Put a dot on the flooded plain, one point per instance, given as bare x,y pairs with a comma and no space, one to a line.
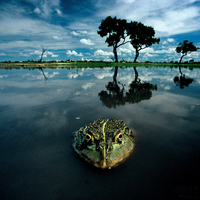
41,109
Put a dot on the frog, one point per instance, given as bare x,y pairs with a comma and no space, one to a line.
105,143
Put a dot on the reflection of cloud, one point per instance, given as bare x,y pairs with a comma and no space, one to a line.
70,76
103,75
32,93
88,85
172,104
57,119
54,74
75,74
167,87
160,110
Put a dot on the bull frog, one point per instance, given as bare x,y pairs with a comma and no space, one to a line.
105,143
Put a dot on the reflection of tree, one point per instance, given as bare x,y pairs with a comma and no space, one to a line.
182,81
116,95
45,78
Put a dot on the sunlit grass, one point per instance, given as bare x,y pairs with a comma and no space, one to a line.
95,64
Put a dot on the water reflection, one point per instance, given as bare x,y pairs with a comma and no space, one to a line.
38,118
45,77
181,80
117,95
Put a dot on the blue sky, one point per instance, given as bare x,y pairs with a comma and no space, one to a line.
68,29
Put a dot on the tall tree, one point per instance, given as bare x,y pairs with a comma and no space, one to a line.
141,36
42,54
184,48
116,32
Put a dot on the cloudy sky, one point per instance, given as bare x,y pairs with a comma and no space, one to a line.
68,28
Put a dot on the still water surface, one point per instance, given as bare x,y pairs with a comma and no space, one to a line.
40,111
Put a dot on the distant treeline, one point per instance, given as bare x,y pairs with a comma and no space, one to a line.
97,61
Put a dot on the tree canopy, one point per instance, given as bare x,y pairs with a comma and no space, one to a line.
115,30
184,48
141,37
120,32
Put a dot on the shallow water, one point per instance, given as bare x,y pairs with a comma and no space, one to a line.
39,114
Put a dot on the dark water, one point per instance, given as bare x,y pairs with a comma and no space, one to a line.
38,116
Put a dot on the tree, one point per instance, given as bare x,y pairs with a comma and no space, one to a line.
120,32
141,36
43,51
184,48
116,32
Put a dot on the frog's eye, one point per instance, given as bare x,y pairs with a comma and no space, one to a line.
88,137
119,137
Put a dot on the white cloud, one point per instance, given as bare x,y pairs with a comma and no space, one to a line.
36,52
37,31
148,55
26,26
73,53
46,7
54,56
167,17
29,33
83,32
195,54
125,50
37,10
56,37
59,12
100,52
39,52
87,41
51,54
171,40
148,50
78,33
75,33
125,1
49,6
2,54
173,22
170,50
24,54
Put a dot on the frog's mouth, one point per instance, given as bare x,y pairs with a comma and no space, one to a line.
112,155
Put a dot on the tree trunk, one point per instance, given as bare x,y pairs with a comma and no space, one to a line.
136,54
180,70
42,56
115,76
136,74
115,53
182,58
43,51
